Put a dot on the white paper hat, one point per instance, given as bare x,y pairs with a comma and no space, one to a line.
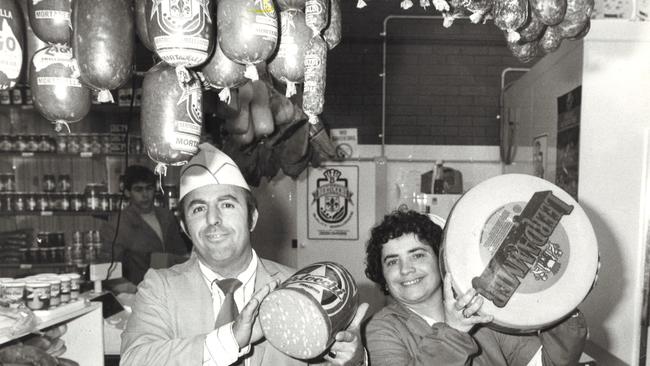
210,166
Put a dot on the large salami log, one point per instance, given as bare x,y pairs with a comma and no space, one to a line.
302,316
532,30
141,22
526,246
12,43
171,115
315,74
32,42
57,91
549,12
220,72
103,43
291,4
247,31
182,31
288,63
51,20
510,15
576,19
525,52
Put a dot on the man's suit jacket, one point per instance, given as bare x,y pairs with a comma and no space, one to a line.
173,314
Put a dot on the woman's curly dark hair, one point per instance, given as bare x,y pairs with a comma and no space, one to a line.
393,226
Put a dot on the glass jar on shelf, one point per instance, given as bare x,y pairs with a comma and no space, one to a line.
20,143
19,202
30,202
45,144
106,143
6,143
76,202
95,144
64,183
43,202
74,146
84,143
32,143
61,143
92,195
49,184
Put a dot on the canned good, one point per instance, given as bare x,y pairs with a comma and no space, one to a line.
20,143
64,183
16,96
13,292
5,143
61,143
65,289
19,202
92,194
32,143
5,97
37,295
28,96
74,146
75,286
55,290
46,144
76,202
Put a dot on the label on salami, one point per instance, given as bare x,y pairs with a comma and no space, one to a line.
53,14
56,55
266,21
188,133
185,143
11,54
525,247
58,81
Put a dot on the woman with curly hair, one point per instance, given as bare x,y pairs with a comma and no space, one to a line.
423,324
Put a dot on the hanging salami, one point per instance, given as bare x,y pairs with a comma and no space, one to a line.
222,73
288,63
525,52
317,15
551,40
171,115
181,31
510,15
260,110
247,31
315,72
12,43
576,19
103,43
333,31
141,23
291,4
51,20
32,42
57,91
239,124
550,12
532,30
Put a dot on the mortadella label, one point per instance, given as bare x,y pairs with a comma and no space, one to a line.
526,245
53,55
11,54
183,37
188,132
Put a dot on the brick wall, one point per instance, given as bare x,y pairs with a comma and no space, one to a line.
442,84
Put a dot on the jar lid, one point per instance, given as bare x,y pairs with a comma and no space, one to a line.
73,276
64,278
14,283
36,283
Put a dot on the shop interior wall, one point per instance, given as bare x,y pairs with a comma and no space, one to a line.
442,84
611,65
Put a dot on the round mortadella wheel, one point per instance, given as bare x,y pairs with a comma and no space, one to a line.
302,316
526,246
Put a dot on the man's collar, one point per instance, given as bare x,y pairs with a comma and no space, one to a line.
244,276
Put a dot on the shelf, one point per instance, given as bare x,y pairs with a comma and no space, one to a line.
103,214
106,107
45,319
35,265
85,155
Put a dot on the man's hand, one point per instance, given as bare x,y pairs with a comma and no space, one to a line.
246,328
348,349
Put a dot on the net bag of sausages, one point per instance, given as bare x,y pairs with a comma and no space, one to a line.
302,316
526,246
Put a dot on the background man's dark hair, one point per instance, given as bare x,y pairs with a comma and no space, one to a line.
138,174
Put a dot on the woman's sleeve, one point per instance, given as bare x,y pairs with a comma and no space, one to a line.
442,346
563,344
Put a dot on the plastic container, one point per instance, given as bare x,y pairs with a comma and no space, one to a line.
13,292
65,289
37,295
75,286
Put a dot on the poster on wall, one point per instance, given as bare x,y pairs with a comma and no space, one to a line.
568,141
540,154
332,202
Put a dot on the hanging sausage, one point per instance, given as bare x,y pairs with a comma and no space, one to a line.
171,115
315,60
288,63
222,73
332,34
51,20
247,31
12,43
32,42
181,31
141,23
103,43
57,91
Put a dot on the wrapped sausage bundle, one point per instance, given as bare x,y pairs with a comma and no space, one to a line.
11,31
302,316
51,20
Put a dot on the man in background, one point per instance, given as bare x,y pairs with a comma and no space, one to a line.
142,230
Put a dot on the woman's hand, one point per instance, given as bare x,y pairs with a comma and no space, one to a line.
462,313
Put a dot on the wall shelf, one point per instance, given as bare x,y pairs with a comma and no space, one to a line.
97,214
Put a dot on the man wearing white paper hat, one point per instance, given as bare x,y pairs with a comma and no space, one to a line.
181,314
